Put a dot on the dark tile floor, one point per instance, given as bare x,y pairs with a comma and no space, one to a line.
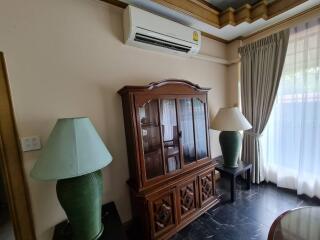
248,218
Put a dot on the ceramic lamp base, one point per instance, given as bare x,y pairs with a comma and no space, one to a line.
81,199
230,142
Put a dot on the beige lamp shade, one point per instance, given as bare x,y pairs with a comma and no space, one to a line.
230,119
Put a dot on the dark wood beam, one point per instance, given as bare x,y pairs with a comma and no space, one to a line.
116,3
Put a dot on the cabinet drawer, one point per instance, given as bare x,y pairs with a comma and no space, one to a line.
187,198
206,187
162,210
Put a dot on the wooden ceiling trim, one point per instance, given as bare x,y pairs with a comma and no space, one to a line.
209,5
277,7
286,23
195,9
116,3
214,37
243,14
247,13
259,10
227,17
205,5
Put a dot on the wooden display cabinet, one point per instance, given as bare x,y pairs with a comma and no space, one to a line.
172,177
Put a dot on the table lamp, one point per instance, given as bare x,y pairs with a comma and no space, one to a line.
74,156
230,121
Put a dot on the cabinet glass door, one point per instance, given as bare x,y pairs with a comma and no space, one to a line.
200,128
170,134
151,140
187,131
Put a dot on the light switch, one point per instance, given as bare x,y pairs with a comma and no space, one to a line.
30,143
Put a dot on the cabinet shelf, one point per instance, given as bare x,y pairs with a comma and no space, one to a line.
145,125
152,151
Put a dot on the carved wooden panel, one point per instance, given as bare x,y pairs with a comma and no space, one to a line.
163,216
187,195
187,198
206,186
163,213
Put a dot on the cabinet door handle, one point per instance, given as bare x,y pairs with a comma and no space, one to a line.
180,134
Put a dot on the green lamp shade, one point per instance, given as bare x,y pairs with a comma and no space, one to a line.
73,149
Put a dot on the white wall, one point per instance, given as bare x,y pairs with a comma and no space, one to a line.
66,58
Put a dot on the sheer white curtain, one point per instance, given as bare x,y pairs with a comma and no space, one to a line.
291,140
186,125
200,128
168,118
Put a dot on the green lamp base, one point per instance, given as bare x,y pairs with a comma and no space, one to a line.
230,142
100,233
81,199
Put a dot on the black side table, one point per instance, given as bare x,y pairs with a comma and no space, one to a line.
232,173
113,228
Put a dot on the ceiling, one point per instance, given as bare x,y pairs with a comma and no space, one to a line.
224,4
213,17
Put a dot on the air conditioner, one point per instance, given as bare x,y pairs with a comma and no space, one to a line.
146,30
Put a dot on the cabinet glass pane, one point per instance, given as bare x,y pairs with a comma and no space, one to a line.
187,133
170,136
150,130
200,128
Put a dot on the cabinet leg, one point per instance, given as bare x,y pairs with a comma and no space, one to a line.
233,189
248,178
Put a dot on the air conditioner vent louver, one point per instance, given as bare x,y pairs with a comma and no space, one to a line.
161,43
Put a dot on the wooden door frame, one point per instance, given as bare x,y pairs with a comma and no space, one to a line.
11,164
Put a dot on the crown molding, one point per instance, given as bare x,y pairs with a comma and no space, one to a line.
246,13
195,9
287,23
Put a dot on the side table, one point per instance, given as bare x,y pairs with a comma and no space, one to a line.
232,173
113,228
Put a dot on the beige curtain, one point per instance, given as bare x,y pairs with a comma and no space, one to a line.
261,68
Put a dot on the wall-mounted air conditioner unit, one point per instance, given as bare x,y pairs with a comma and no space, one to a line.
146,30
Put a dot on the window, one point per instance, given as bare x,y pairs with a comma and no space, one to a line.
291,140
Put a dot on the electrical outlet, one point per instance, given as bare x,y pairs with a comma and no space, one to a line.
30,143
